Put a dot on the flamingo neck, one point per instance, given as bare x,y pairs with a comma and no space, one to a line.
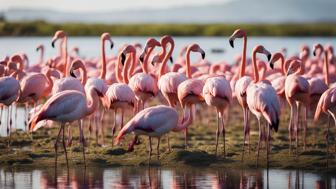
145,63
166,58
103,60
326,68
84,72
66,62
183,125
188,64
132,66
243,60
50,81
92,99
255,67
128,61
282,61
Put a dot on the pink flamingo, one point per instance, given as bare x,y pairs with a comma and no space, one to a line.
143,84
189,92
9,93
100,83
66,107
262,100
297,92
154,122
242,83
217,92
120,95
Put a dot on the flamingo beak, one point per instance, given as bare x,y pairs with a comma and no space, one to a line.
269,56
123,58
141,58
314,52
171,59
272,65
53,44
231,43
100,94
112,44
72,73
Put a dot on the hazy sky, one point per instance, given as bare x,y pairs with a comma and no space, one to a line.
99,5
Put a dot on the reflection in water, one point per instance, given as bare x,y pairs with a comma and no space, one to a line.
155,177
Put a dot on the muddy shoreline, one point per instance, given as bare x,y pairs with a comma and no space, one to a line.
37,151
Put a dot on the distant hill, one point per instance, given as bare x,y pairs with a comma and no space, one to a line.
239,11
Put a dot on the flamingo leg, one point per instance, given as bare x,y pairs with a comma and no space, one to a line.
305,127
169,147
82,139
8,129
55,145
131,145
290,129
102,125
268,144
158,148
223,133
297,130
248,129
64,145
114,123
122,118
150,147
245,130
259,141
217,131
69,142
327,140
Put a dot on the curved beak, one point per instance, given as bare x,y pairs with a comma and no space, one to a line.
269,56
53,44
72,73
99,93
231,43
112,44
272,65
171,59
314,52
141,57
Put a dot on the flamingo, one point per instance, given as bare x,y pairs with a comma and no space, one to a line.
154,122
9,93
262,100
242,83
100,83
297,92
189,92
217,92
66,107
143,84
120,95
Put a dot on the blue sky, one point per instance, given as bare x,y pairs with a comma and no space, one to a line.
99,5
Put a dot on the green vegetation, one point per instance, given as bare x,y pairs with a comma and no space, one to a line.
41,28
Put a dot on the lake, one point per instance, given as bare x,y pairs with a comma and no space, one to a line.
155,177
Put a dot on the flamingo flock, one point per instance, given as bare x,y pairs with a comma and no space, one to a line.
157,99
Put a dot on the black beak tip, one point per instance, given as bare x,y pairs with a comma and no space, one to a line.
203,56
269,57
53,44
272,65
314,53
112,45
72,74
231,43
37,49
141,58
171,59
123,57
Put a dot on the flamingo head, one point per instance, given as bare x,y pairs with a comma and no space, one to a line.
261,49
239,33
317,49
106,36
76,64
294,65
196,48
39,47
127,49
275,57
58,35
167,39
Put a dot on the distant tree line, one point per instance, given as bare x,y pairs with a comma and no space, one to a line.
41,28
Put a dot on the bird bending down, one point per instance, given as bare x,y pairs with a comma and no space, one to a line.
155,122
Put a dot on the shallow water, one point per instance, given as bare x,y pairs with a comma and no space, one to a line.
155,177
